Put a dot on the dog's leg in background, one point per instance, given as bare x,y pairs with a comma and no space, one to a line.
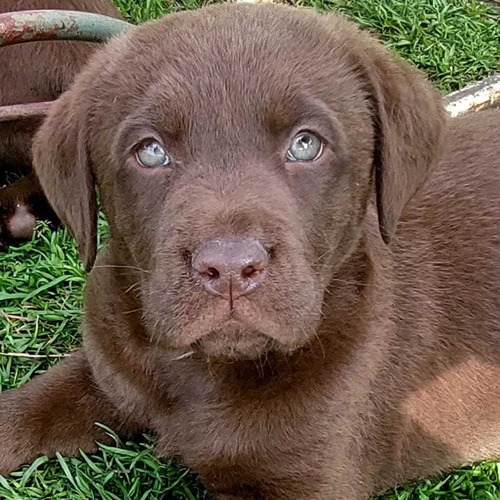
57,411
20,204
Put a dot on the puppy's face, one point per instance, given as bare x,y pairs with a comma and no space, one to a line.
233,150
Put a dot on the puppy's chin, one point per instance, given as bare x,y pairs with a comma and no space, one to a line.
234,341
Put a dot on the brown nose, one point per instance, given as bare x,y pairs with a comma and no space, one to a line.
230,267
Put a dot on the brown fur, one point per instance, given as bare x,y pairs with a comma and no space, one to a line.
33,72
369,355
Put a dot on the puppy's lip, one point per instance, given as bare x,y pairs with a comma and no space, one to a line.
233,343
231,327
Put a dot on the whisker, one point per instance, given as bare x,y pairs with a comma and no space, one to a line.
113,266
183,356
133,286
131,311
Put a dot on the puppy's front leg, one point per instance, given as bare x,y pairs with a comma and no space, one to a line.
55,412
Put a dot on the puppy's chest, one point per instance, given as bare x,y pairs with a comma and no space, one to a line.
235,441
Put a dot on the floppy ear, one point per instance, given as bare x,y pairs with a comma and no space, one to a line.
62,164
408,119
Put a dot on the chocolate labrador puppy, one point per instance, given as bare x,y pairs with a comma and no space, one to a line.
34,72
300,298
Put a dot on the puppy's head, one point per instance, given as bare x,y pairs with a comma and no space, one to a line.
237,150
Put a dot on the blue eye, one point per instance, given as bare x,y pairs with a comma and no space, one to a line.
305,146
151,154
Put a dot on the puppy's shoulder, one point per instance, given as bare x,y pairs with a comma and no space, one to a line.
472,150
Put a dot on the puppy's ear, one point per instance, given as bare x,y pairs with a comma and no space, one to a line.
62,164
408,119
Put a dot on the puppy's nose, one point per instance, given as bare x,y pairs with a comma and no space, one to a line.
230,267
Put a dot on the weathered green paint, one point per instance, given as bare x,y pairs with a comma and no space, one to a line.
36,25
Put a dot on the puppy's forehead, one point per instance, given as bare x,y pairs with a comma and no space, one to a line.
227,73
245,37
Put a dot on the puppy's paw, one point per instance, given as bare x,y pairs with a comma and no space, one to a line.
16,444
9,459
17,224
22,203
21,222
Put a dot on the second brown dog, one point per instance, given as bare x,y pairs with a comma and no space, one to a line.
33,72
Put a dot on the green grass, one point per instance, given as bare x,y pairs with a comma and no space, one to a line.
479,482
454,41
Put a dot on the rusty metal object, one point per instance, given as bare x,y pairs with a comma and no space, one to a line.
474,97
36,25
23,111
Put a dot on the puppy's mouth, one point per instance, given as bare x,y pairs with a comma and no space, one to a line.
249,330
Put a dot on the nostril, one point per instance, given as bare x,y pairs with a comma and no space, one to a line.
211,273
250,272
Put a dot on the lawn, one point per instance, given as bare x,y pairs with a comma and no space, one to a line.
454,41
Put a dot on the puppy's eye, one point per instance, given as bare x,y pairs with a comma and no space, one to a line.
305,146
151,154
